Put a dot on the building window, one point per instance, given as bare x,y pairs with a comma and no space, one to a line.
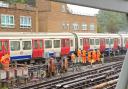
25,21
92,27
63,8
68,26
64,26
75,26
84,26
7,21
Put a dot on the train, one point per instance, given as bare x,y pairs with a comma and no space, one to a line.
23,46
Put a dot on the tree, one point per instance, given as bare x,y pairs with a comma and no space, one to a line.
15,1
111,22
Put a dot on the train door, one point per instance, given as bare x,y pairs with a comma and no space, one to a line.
86,45
65,46
4,47
38,49
35,48
102,44
26,48
97,43
116,43
41,48
92,44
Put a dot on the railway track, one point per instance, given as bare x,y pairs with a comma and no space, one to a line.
86,79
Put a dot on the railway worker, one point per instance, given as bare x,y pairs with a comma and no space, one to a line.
98,54
83,56
59,66
73,59
93,56
51,66
89,56
65,64
78,59
79,54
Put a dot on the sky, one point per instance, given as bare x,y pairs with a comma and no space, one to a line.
82,10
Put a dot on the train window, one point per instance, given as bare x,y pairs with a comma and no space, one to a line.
97,41
91,41
35,44
71,43
15,45
107,41
118,41
0,45
67,43
111,41
26,45
56,43
63,43
48,43
6,45
81,42
41,44
125,40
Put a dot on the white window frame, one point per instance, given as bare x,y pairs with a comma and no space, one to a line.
75,26
29,22
84,26
7,24
92,27
63,8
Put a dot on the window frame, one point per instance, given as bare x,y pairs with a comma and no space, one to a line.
7,24
1,45
25,46
92,26
27,23
54,43
71,43
107,41
97,43
81,42
15,43
51,44
92,41
84,26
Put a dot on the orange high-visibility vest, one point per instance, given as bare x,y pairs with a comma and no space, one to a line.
5,59
79,53
93,56
83,56
98,55
89,56
73,57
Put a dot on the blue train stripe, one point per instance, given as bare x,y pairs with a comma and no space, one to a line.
21,57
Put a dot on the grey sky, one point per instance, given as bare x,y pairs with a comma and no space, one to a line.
82,10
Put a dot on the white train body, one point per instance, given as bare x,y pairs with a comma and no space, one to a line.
23,46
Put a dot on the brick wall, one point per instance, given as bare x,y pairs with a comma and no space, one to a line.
17,12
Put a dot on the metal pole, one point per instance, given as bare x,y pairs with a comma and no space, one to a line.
123,78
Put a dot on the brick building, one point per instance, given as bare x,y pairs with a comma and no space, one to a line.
43,16
17,18
56,17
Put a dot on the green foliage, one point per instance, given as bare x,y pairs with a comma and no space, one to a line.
111,22
15,1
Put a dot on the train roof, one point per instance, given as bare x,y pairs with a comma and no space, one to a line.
17,35
96,35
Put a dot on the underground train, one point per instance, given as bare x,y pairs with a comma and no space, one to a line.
27,45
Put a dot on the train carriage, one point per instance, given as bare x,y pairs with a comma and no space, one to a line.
124,41
23,46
